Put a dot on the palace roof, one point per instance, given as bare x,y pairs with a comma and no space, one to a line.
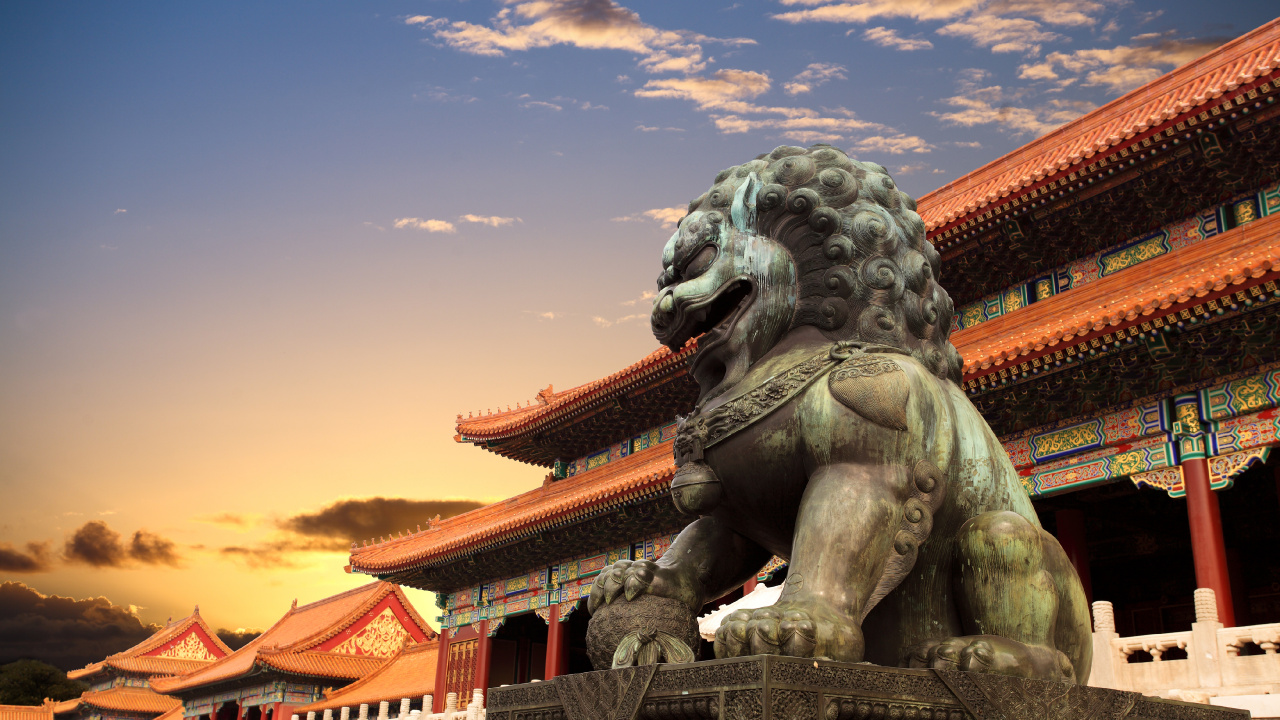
556,503
601,412
346,636
123,699
177,648
410,673
27,712
1182,91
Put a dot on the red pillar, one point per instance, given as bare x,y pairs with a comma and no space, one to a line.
1207,546
442,672
748,586
555,645
1072,539
484,649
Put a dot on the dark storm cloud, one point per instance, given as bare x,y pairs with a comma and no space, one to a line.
63,631
238,638
347,521
97,545
36,558
335,527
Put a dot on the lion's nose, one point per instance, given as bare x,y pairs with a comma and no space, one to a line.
664,309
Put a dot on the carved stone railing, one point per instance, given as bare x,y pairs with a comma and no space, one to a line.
1213,670
473,711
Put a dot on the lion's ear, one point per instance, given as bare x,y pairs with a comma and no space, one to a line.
875,387
743,211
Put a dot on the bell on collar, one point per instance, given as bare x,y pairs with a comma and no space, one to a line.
695,488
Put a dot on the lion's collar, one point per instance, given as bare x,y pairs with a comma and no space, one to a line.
700,430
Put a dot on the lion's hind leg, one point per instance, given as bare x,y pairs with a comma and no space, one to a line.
1012,596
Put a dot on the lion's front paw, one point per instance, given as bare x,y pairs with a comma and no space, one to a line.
991,654
794,629
631,578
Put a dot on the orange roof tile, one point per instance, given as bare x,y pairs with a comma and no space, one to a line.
1226,259
1186,89
138,700
143,658
291,645
553,406
411,673
27,712
647,470
174,714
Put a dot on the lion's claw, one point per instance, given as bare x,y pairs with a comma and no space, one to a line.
990,654
787,630
625,577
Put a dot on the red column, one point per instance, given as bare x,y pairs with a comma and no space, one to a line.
1072,539
748,586
1207,546
442,672
555,644
484,649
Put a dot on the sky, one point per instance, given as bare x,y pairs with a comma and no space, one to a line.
255,258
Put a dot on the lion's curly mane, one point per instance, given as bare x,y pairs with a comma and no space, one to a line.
866,271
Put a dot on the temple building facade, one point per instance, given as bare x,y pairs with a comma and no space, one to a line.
120,684
325,644
1119,319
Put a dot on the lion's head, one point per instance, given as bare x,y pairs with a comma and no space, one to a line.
801,238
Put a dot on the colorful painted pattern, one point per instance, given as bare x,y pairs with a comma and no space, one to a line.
1111,429
1245,432
1103,469
1188,231
1239,397
617,451
561,584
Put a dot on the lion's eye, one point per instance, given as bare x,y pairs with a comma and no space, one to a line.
700,262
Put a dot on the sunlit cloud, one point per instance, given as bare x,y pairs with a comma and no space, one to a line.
590,24
1123,67
120,211
435,226
654,128
239,522
1001,34
887,37
490,220
666,217
815,75
645,298
994,105
605,322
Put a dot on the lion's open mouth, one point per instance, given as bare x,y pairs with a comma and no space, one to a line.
713,317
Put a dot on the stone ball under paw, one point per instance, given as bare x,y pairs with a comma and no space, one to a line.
647,613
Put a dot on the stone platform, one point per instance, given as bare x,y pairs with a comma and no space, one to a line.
767,687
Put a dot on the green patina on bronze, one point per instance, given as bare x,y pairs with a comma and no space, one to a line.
830,431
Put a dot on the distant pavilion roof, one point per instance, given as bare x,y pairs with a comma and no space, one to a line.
306,641
1183,91
177,648
410,673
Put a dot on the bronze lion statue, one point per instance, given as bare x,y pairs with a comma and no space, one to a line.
830,430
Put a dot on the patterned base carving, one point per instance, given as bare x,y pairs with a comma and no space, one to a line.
605,694
781,688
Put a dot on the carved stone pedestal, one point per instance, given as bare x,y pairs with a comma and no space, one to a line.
767,687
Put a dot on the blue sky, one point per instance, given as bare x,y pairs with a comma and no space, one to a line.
254,257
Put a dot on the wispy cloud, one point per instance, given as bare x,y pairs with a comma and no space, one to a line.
605,322
435,226
645,298
591,24
815,75
995,105
666,217
1001,34
887,37
541,104
120,211
654,128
